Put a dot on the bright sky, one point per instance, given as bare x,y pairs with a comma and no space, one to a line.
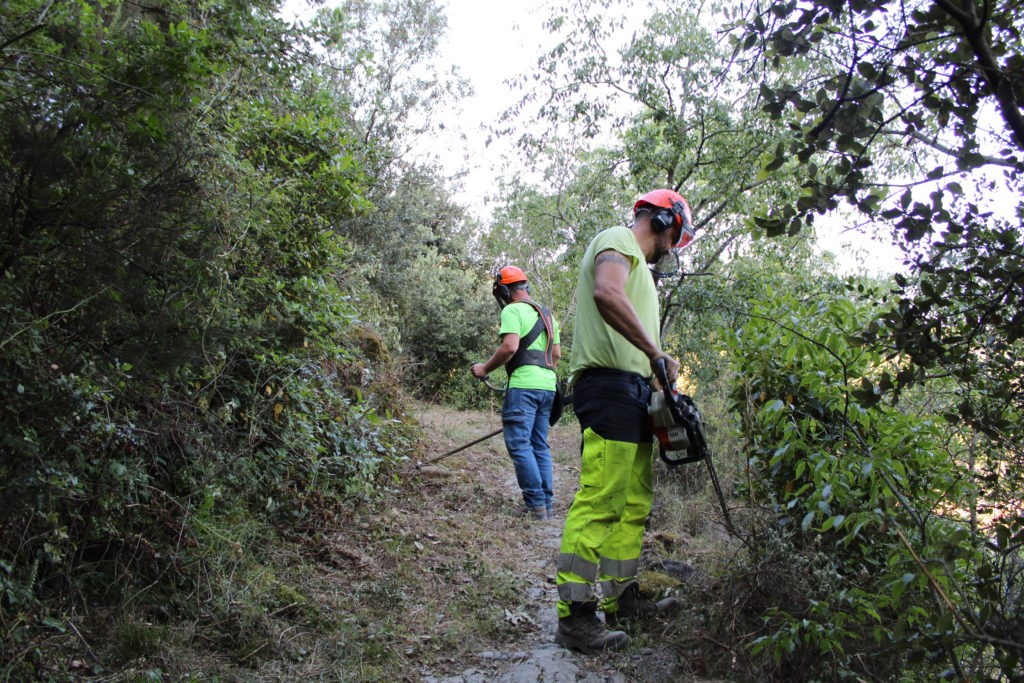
490,42
493,41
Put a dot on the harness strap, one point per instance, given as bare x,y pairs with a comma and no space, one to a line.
544,358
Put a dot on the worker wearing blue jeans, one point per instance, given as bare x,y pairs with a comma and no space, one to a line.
524,417
529,350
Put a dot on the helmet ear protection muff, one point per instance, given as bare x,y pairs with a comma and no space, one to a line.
663,219
503,293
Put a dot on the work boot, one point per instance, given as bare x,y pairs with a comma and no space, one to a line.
584,632
633,606
539,513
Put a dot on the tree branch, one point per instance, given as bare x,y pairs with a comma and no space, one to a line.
1001,87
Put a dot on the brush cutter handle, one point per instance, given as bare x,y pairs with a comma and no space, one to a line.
492,386
661,372
487,380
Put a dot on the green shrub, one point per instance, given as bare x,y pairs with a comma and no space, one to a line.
846,473
176,341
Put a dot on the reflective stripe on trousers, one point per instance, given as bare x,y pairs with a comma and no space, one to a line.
604,528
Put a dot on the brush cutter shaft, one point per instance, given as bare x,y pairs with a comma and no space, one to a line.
465,446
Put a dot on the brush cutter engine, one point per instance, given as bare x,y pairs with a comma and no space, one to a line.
680,430
677,423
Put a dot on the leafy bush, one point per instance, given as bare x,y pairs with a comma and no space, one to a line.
845,473
175,339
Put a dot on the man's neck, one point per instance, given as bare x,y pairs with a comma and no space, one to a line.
645,237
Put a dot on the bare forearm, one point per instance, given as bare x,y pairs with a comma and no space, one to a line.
610,272
501,356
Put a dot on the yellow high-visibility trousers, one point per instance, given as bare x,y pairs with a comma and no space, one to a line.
604,528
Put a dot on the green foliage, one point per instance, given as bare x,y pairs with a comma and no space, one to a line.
876,88
953,330
453,324
412,258
214,239
675,112
174,326
847,471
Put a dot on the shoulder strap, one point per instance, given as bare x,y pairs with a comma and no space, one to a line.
532,335
549,327
543,358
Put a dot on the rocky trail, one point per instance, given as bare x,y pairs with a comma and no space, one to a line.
528,553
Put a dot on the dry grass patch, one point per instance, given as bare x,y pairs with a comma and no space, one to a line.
443,569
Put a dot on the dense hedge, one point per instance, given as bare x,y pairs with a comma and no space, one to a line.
174,337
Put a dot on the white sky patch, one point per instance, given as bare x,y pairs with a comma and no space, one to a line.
859,250
490,43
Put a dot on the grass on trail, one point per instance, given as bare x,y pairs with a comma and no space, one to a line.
445,569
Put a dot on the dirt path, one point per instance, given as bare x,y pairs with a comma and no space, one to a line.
526,549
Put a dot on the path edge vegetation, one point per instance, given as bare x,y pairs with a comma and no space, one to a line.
207,340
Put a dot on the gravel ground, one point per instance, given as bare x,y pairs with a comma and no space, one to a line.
538,660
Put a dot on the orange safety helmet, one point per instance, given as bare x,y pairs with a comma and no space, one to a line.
506,280
668,209
510,275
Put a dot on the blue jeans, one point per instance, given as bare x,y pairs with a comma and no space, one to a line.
524,417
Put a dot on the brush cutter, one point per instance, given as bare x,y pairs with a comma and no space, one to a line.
677,423
679,427
493,387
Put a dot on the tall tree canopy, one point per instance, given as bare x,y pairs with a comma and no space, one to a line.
413,252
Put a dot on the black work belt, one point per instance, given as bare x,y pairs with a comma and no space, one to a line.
613,403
